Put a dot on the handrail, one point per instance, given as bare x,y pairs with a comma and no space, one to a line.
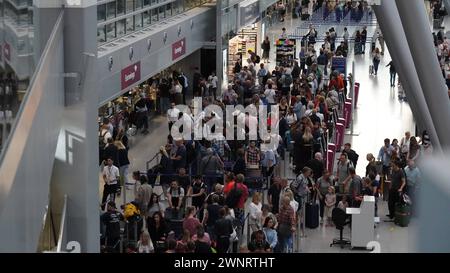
147,164
62,225
14,147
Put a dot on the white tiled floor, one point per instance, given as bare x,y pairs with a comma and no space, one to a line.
379,115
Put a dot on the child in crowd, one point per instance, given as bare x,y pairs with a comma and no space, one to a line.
343,204
330,202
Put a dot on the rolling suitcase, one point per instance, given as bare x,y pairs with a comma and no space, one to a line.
312,214
402,215
370,69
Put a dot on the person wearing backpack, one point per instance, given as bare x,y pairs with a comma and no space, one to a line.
351,154
175,195
301,187
342,172
236,193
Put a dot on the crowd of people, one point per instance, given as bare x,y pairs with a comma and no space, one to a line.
207,183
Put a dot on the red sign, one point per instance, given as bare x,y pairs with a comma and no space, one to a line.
178,49
7,51
131,74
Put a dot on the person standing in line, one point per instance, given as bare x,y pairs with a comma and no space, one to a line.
223,228
111,177
265,46
144,195
172,116
384,155
392,72
124,162
346,35
398,183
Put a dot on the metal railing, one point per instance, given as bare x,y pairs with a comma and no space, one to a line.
62,227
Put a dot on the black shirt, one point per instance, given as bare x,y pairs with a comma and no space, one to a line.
317,167
157,233
275,191
202,247
181,151
123,157
223,227
396,179
112,222
239,166
213,214
196,188
112,152
352,156
255,246
184,181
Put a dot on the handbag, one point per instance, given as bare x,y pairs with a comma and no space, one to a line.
406,199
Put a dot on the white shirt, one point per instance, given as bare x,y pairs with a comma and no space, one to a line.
291,118
294,205
270,95
112,174
213,80
177,89
255,213
106,134
145,249
172,114
346,35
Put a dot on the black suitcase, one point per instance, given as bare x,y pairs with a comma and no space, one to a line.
312,215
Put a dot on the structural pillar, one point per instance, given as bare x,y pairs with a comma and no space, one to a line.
76,168
391,27
417,30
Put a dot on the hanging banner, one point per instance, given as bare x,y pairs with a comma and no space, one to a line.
130,75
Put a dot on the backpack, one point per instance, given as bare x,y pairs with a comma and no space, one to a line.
287,79
101,142
233,196
299,187
258,59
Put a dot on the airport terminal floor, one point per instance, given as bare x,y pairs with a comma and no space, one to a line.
381,112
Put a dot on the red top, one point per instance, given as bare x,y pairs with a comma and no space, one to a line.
240,186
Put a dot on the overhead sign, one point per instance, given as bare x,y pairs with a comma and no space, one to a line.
131,74
339,64
178,49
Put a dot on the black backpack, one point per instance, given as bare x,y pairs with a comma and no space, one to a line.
233,196
257,59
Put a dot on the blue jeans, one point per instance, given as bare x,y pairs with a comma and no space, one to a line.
393,78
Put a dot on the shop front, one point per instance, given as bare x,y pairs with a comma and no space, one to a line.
123,112
243,26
